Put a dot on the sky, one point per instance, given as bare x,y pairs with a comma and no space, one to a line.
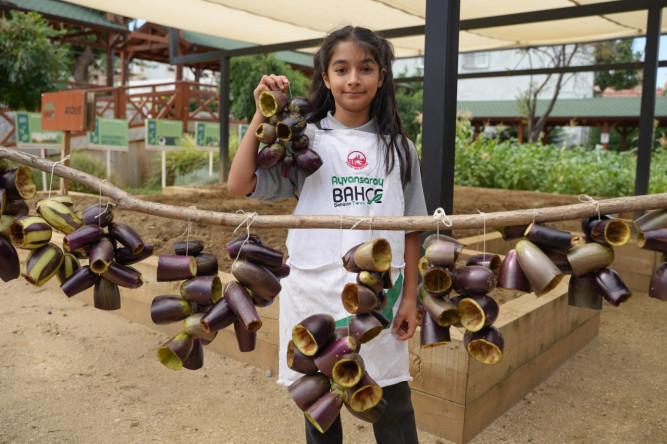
662,52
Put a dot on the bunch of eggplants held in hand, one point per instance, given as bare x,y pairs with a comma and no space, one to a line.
284,135
205,307
334,371
458,296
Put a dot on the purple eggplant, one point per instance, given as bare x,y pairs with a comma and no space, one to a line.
308,161
559,259
259,254
313,333
123,275
490,261
442,310
218,316
291,126
101,255
263,284
172,267
486,345
380,316
82,279
190,247
587,223
270,155
246,340
438,237
19,183
326,359
124,256
106,295
299,362
202,290
195,359
437,280
581,292
540,271
473,279
30,232
371,279
127,236
548,237
192,326
658,286
613,232
279,272
83,237
300,105
512,232
266,133
207,263
653,240
588,258
166,309
431,333
271,102
323,412
372,414
374,255
10,266
442,254
175,351
365,395
58,215
233,246
358,298
42,264
308,389
478,311
97,214
348,369
651,220
364,327
300,143
287,166
510,275
240,303
611,287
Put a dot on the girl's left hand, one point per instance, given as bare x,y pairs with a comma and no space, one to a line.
405,322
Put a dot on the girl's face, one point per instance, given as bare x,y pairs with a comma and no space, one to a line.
353,77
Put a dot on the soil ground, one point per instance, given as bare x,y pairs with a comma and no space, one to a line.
73,374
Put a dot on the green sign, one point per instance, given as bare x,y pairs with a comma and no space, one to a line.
163,134
208,136
109,134
29,133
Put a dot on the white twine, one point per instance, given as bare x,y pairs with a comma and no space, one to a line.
483,233
189,229
249,219
441,217
586,198
53,167
365,219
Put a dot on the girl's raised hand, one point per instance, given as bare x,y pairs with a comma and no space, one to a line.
270,82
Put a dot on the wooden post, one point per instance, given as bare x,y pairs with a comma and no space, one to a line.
64,153
520,132
605,129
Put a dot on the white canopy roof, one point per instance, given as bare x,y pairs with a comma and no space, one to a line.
266,22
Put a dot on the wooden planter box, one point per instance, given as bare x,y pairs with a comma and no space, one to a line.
454,395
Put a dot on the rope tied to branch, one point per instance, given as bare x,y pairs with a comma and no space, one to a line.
108,205
249,219
188,230
53,167
365,219
483,232
586,198
441,217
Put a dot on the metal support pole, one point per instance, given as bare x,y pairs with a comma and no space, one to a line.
224,119
647,111
439,112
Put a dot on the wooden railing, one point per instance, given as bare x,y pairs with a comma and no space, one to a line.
180,100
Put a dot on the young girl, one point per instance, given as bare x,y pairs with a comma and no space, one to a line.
357,132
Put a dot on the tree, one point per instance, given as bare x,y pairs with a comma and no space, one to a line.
245,74
555,57
30,62
616,51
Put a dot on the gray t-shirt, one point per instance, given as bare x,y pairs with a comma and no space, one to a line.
271,186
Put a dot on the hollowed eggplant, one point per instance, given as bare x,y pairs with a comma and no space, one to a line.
490,261
358,298
431,333
217,317
581,292
299,362
189,247
239,301
42,264
172,267
473,279
202,290
654,239
589,258
326,359
613,232
270,155
478,311
323,412
540,271
166,309
442,254
313,333
510,275
271,102
127,236
348,369
364,327
308,389
486,345
658,286
106,295
610,285
175,351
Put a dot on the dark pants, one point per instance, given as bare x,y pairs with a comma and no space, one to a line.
396,426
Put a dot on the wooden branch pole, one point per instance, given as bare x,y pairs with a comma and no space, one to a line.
409,223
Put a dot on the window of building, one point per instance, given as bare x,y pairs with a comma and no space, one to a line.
475,60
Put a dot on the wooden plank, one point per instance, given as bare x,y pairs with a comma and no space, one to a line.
507,391
438,416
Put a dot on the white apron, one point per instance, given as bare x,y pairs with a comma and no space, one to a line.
352,181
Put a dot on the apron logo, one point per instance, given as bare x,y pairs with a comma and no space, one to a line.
376,198
356,160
